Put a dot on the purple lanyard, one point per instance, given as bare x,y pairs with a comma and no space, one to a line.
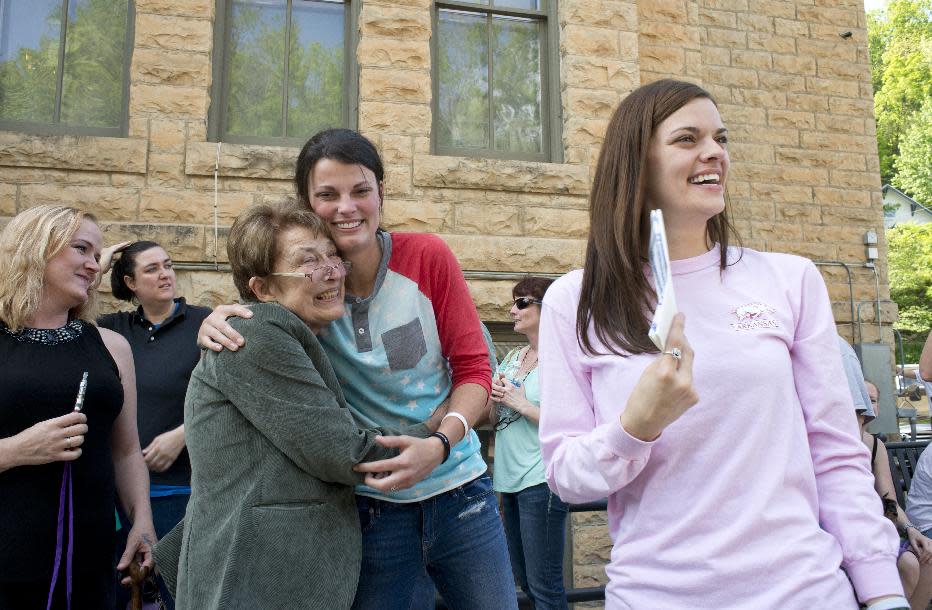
65,482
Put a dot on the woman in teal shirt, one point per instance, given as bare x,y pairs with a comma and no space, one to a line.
534,516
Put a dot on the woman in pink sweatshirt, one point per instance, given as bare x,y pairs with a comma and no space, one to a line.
784,516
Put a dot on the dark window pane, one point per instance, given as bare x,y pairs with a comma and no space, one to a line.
256,68
516,85
315,68
463,100
533,5
92,88
30,33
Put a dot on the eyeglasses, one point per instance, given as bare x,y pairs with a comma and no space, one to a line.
321,273
506,417
525,302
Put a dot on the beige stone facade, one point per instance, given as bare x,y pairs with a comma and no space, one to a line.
795,94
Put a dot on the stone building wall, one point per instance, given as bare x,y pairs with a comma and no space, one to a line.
795,94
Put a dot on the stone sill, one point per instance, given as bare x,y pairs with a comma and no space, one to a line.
241,160
501,175
88,153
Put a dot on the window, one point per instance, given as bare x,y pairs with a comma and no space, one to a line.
494,95
64,65
285,70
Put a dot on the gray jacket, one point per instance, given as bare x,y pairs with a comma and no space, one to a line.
272,519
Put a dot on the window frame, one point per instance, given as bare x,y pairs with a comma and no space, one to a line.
551,103
219,88
57,128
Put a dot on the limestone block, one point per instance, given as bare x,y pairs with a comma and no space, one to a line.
812,250
662,59
775,43
488,219
829,49
794,64
392,53
7,199
580,131
839,141
207,288
24,175
590,103
166,170
589,41
107,203
399,23
850,179
190,206
168,135
808,102
781,193
727,5
662,10
174,33
599,73
137,181
742,152
159,66
203,9
776,231
789,83
839,124
765,135
733,113
760,98
500,174
791,27
615,14
857,107
716,56
241,160
591,545
168,101
827,196
216,246
421,216
830,68
774,8
819,158
389,117
508,254
734,77
791,118
553,222
183,242
561,201
395,85
397,180
844,17
139,127
804,214
73,152
722,19
396,149
754,23
679,35
492,299
628,45
860,216
723,37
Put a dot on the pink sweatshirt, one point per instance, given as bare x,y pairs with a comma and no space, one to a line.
761,493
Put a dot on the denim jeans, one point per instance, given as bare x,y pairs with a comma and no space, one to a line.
535,519
453,541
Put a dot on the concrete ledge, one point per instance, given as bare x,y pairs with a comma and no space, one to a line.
89,153
242,160
501,175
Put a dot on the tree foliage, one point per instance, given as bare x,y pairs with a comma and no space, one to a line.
909,255
900,44
914,165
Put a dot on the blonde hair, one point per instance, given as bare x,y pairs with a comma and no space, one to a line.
27,244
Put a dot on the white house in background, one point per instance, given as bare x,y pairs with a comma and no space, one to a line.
899,207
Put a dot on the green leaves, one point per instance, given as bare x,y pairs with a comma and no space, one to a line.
910,261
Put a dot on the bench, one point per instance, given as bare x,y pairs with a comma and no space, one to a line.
903,458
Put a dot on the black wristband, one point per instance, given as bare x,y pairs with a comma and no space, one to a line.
446,444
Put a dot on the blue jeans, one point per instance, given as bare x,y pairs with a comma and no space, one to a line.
535,519
453,541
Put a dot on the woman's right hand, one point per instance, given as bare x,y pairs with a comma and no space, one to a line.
106,255
54,440
215,334
664,391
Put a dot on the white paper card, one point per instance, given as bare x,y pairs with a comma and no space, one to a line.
659,256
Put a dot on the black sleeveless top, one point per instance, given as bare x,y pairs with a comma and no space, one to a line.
40,371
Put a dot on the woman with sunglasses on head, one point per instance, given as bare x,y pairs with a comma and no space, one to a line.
272,518
786,515
534,516
60,469
410,337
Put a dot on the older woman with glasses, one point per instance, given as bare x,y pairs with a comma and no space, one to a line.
272,518
534,516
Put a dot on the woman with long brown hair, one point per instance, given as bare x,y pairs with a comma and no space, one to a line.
783,517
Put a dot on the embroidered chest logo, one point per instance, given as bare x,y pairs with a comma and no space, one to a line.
754,316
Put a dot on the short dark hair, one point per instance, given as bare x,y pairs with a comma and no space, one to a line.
343,145
126,265
531,286
253,243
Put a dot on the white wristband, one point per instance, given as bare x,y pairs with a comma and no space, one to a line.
460,417
889,604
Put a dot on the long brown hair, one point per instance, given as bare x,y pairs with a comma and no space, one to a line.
616,296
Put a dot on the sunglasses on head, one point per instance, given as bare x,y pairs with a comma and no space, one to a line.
525,302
